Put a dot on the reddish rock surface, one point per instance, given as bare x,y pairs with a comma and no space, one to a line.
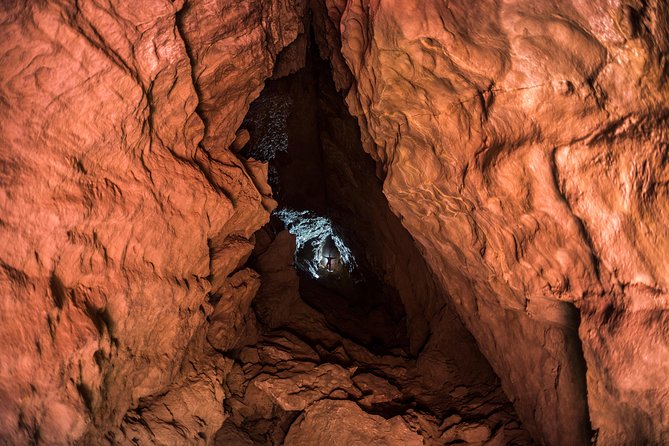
114,212
522,145
300,381
343,422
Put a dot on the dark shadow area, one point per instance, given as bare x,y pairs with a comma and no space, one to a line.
301,125
367,312
347,309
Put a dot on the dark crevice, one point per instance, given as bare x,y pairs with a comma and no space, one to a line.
300,124
359,295
58,291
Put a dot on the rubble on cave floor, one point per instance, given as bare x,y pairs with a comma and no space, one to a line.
299,381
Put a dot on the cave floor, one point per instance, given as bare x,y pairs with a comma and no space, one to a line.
303,379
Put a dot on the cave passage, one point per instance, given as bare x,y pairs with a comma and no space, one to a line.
321,176
334,222
348,311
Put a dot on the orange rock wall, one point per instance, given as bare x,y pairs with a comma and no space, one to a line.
524,146
114,211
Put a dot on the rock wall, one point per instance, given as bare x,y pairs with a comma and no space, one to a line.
122,211
447,358
304,382
524,146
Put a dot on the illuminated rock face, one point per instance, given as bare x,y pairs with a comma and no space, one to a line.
117,219
522,144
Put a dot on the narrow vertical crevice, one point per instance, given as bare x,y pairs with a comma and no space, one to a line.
378,317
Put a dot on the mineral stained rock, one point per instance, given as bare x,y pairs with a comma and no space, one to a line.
524,145
111,203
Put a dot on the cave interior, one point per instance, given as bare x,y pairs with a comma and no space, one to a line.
358,321
334,222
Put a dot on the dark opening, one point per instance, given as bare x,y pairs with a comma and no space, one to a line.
301,126
353,293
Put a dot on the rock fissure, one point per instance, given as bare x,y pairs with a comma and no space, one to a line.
315,317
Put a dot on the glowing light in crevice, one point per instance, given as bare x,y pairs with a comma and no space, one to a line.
311,232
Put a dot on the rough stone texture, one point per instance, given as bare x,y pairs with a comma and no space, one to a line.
524,146
331,423
187,414
233,48
230,318
274,392
111,206
324,153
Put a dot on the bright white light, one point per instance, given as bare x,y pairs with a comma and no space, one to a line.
310,232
